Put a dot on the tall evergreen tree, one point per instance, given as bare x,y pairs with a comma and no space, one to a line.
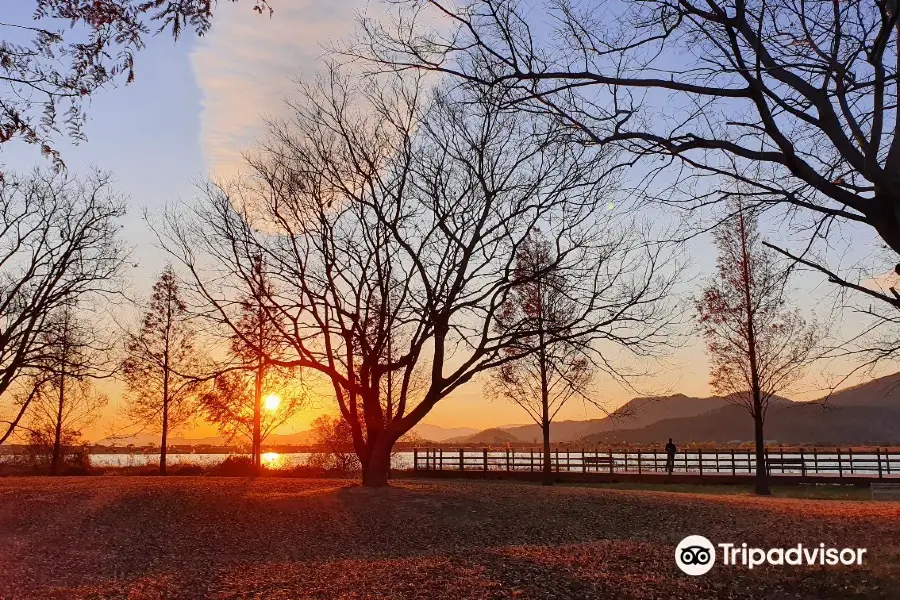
159,361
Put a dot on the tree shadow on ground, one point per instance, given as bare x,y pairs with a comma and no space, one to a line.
216,534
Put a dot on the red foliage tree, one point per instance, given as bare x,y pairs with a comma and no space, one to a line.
758,345
547,369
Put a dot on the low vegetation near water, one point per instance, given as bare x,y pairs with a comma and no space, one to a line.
211,537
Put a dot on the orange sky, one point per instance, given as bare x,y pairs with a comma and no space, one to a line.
685,373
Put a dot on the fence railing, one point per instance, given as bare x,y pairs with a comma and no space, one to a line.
826,462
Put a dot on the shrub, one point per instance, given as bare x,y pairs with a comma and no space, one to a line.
234,466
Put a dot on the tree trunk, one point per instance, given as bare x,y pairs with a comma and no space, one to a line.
547,477
165,425
762,475
56,456
762,479
57,433
257,421
377,467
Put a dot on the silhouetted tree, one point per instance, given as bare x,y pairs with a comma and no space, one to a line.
794,101
333,436
52,64
231,405
235,401
758,345
545,372
161,362
65,399
59,247
390,220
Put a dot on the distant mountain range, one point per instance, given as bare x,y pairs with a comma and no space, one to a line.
865,414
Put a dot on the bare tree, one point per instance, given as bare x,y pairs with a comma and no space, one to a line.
758,345
161,362
334,438
237,409
390,220
49,72
230,404
59,246
794,101
544,373
65,400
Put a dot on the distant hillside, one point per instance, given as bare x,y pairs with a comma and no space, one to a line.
560,431
641,412
884,391
488,436
636,413
866,413
435,433
795,423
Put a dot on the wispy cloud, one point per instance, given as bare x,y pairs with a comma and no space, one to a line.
248,63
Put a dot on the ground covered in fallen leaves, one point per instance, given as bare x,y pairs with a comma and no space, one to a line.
205,537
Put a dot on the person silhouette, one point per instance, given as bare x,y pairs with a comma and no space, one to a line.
670,456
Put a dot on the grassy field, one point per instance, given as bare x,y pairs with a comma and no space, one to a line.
204,537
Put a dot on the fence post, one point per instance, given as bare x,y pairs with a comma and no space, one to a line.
583,464
441,458
733,467
840,465
700,461
507,459
887,460
462,464
485,459
878,451
609,452
685,462
531,459
625,468
415,460
639,462
816,460
851,460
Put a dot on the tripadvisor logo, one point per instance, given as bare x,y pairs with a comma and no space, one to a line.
696,555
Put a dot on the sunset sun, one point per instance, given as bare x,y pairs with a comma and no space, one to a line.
271,402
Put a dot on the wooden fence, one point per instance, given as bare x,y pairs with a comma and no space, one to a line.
870,463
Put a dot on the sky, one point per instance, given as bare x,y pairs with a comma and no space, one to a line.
197,104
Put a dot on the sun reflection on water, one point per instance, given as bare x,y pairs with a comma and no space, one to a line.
272,460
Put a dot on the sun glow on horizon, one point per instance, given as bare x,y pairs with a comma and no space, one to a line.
271,402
